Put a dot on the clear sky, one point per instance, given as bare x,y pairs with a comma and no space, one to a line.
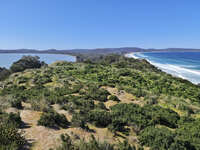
68,24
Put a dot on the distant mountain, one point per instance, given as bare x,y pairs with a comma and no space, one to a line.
97,51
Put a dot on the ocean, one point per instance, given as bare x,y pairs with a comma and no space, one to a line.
185,65
6,60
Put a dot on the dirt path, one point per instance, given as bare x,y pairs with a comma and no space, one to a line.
42,138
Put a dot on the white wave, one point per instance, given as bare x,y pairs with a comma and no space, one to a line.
189,74
180,76
132,55
176,68
189,66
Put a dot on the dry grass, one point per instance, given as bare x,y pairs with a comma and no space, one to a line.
103,134
42,138
11,110
110,103
58,109
123,96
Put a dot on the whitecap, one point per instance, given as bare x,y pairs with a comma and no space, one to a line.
132,55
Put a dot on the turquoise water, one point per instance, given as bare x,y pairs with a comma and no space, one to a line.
182,64
6,60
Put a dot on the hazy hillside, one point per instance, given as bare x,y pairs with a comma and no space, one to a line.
114,103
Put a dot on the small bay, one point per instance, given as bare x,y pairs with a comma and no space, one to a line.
6,59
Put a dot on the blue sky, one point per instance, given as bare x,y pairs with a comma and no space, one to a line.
68,24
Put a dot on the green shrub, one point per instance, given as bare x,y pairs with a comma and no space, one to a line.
132,115
125,146
114,98
39,104
97,93
100,118
101,105
162,138
53,119
84,105
4,73
66,143
157,138
151,100
79,120
162,116
117,125
11,119
189,130
10,137
16,103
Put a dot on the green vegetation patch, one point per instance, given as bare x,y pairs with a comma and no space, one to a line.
52,119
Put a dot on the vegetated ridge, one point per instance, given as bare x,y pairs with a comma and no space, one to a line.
112,103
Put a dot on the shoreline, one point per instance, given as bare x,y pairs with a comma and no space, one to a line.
175,70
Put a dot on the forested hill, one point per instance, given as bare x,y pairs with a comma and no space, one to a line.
113,103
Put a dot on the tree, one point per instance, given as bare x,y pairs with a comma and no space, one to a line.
4,73
26,62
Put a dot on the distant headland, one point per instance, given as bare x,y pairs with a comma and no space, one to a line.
97,51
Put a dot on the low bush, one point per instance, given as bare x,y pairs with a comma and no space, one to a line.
17,103
11,119
114,98
4,73
53,119
162,139
97,93
162,116
125,146
79,120
117,125
100,118
101,105
10,137
132,115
